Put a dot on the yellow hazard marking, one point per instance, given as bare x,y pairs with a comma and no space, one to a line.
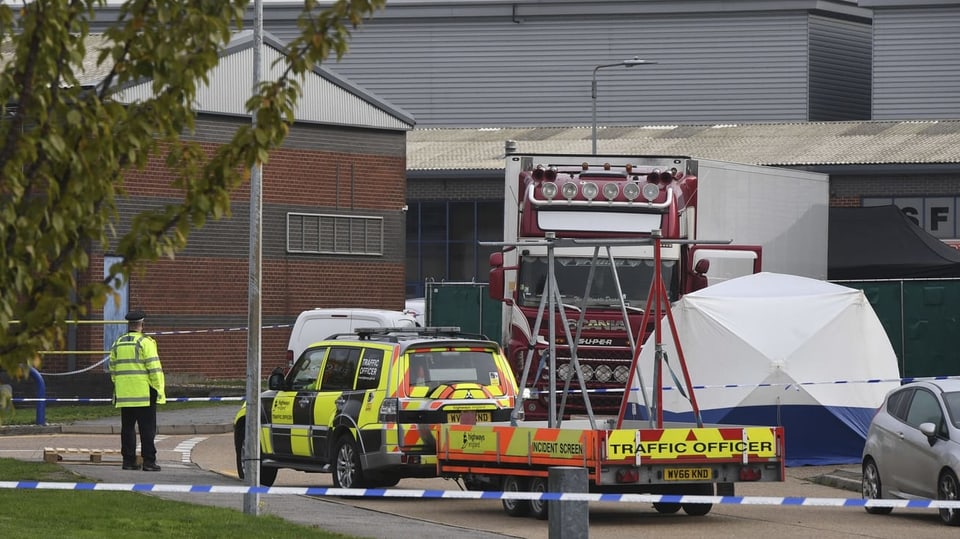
757,442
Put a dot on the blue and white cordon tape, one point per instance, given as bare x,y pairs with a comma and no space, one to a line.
484,495
533,392
785,385
107,399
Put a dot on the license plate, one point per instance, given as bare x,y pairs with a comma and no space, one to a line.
468,417
687,474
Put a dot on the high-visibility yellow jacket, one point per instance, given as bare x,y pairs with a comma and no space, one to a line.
134,369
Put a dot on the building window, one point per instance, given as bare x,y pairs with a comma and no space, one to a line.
316,233
443,241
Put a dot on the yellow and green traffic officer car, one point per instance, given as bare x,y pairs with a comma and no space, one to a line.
365,406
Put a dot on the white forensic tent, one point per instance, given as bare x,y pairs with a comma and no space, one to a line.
778,350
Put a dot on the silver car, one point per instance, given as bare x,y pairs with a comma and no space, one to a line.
913,446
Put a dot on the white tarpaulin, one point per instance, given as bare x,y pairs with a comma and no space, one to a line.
774,349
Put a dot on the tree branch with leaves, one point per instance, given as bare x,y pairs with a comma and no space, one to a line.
67,143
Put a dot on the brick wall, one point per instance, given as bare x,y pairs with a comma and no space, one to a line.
197,303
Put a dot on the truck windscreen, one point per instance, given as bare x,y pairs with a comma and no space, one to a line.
572,272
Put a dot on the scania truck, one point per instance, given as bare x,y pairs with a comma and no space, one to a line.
749,217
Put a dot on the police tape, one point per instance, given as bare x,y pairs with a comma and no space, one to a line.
213,330
533,392
786,385
110,400
484,495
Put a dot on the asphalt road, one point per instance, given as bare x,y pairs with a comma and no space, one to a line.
209,459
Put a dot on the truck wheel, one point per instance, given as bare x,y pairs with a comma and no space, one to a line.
666,508
267,474
698,509
538,508
347,472
513,507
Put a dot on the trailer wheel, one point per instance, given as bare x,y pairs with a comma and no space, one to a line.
698,509
538,508
514,507
666,508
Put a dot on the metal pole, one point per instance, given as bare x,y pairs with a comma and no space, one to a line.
593,90
251,453
593,95
552,331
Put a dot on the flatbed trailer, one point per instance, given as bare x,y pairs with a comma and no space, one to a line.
619,455
675,460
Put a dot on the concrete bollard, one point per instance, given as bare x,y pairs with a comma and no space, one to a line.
568,519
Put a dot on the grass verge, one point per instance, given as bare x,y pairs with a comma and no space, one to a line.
69,413
29,514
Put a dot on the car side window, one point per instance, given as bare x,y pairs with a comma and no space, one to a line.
924,408
368,377
304,373
340,369
898,402
952,401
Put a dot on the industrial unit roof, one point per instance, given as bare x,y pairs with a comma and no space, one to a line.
328,98
779,144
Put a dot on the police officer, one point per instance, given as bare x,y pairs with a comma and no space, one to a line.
138,387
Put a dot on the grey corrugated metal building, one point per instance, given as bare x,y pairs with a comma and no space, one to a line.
493,63
485,67
916,59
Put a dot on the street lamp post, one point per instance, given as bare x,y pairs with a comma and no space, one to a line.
625,63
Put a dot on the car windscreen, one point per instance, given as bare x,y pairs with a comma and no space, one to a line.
433,368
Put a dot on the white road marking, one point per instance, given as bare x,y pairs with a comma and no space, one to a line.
186,447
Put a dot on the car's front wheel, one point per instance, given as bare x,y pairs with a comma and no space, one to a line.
949,489
871,487
268,475
239,436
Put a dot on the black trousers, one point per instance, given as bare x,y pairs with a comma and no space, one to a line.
143,418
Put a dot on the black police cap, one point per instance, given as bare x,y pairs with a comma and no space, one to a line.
136,316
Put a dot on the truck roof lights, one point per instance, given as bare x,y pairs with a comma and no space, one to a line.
589,190
651,191
601,194
549,190
610,191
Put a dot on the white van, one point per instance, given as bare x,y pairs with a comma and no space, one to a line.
318,324
417,308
